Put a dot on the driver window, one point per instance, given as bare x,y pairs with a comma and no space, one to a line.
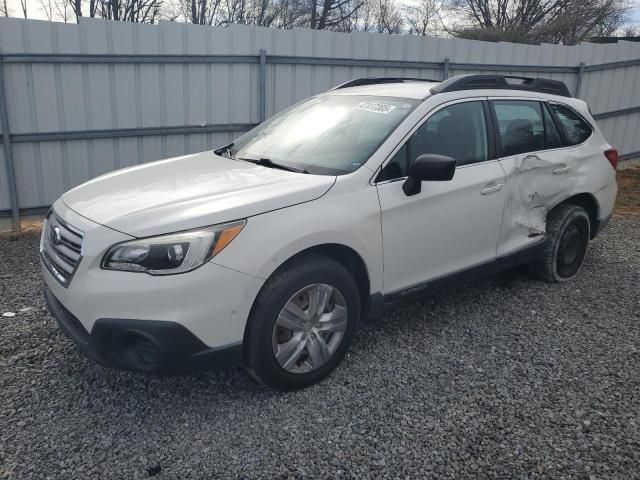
458,131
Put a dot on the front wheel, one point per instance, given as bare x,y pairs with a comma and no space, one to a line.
302,323
566,243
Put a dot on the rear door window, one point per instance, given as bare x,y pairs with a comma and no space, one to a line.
576,129
520,125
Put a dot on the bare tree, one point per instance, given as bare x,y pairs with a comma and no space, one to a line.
533,21
209,10
380,16
4,9
388,17
423,16
364,17
235,11
285,14
275,13
48,8
266,13
200,12
77,7
630,32
581,20
332,14
136,11
23,6
62,8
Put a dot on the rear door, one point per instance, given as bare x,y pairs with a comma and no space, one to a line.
449,226
537,167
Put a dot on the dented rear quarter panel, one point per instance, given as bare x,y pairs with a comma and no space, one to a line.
536,182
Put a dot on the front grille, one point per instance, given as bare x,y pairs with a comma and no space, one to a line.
60,248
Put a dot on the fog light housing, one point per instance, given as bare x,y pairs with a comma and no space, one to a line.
139,351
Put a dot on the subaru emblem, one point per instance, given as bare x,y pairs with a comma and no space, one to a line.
55,236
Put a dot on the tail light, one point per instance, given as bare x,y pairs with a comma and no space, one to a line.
612,156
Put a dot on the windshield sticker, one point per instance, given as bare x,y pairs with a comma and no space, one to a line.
373,107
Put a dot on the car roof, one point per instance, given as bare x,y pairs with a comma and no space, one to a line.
415,89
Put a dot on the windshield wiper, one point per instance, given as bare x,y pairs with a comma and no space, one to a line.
267,162
225,150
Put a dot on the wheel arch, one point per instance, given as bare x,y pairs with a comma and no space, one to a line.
587,201
344,255
353,262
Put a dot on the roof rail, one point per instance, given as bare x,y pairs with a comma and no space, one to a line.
358,82
506,82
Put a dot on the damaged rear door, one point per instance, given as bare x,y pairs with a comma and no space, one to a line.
538,170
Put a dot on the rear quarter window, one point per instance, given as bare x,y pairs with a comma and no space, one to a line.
576,129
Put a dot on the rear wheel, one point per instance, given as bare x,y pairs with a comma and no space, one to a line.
566,244
302,323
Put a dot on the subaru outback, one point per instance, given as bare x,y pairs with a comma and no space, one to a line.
271,251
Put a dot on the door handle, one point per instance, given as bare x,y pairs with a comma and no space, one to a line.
491,188
560,170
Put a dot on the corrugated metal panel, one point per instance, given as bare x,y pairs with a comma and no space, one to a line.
4,185
79,96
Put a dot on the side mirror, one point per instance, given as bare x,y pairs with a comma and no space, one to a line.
428,167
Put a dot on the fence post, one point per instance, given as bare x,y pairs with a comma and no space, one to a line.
579,80
8,159
445,69
262,93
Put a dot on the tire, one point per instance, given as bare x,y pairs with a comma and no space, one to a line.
275,335
566,244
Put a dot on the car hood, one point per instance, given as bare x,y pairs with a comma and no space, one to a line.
189,192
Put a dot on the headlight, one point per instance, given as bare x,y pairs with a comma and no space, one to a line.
173,253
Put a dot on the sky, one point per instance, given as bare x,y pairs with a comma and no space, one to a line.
35,10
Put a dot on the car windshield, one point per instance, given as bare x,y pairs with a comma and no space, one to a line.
327,135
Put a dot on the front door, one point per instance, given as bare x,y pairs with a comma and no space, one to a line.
451,225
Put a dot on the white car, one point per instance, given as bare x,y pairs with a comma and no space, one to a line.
270,251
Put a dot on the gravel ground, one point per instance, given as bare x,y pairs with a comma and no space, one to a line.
504,378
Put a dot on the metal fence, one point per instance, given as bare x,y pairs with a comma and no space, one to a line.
77,101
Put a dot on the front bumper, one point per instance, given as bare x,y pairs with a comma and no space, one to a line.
207,308
143,345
